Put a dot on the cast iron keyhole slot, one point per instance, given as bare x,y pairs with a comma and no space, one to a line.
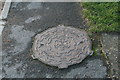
41,44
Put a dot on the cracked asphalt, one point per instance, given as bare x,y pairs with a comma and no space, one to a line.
24,21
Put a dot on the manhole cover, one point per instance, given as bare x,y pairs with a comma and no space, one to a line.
61,46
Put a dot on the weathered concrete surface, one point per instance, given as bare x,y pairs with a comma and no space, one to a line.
110,48
17,41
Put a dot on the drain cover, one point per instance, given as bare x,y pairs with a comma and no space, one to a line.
61,46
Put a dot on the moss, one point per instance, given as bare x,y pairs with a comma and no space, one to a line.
101,17
95,50
103,54
95,38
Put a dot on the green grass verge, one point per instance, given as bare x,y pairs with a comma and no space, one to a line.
101,17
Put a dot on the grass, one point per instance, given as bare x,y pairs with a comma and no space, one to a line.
101,17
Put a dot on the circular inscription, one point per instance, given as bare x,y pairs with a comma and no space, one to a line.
61,46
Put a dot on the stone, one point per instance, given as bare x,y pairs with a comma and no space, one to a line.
110,47
61,46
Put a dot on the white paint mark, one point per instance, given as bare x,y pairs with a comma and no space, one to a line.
29,20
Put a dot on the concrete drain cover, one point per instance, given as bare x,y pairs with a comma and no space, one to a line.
61,46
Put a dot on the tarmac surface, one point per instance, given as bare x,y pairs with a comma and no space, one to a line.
24,21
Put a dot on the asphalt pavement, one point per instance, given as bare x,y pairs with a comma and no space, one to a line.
24,21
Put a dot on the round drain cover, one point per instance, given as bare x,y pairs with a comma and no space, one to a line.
61,46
